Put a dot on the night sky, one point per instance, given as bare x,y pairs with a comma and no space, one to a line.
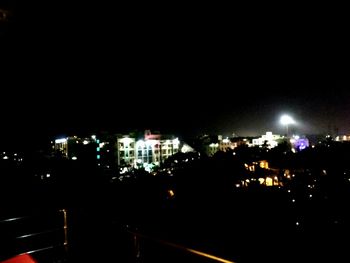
74,70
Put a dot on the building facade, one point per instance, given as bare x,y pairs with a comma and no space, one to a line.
151,149
269,140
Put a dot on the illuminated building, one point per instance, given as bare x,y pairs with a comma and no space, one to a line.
61,146
269,140
227,144
126,150
342,138
76,148
152,149
212,149
130,150
212,144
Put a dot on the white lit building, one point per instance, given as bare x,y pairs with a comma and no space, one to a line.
213,145
126,150
152,149
61,145
269,140
227,144
342,138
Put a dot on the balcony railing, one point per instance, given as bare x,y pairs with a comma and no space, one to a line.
149,249
42,235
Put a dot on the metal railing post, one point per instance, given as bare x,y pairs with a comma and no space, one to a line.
65,228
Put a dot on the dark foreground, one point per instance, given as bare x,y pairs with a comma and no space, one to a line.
139,221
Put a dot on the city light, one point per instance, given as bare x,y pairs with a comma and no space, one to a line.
126,140
63,140
287,120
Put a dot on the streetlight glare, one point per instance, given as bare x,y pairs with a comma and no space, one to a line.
286,120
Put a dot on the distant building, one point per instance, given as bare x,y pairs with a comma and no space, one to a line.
110,151
213,144
61,147
212,148
151,149
342,138
77,148
126,150
227,144
269,140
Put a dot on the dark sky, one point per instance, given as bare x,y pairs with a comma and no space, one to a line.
92,68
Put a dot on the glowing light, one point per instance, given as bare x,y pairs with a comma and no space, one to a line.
85,142
171,193
74,158
123,170
269,181
5,157
62,140
126,140
185,148
286,120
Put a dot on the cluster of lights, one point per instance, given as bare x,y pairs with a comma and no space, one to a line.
12,157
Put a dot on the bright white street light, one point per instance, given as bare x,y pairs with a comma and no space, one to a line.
286,120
